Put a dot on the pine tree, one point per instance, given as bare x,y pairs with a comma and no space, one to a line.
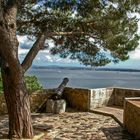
95,32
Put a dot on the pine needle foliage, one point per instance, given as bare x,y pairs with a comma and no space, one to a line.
95,32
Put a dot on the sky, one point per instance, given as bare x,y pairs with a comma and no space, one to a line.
44,58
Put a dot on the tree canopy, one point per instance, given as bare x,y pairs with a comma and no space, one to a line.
94,32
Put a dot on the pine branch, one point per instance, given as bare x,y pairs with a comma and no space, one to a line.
37,46
51,34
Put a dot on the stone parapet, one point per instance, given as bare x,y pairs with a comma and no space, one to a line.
101,97
36,99
132,116
82,99
77,98
85,99
121,93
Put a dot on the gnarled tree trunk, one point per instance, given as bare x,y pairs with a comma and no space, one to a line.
18,105
16,95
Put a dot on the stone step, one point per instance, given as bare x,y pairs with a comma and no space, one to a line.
115,112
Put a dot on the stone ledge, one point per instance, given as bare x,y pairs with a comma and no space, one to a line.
115,113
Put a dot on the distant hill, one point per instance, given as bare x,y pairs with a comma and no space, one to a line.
85,68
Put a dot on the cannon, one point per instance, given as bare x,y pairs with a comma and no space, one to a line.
54,99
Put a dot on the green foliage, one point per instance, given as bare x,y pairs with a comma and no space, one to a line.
106,30
31,83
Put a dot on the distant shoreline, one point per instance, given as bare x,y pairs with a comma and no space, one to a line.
50,77
86,68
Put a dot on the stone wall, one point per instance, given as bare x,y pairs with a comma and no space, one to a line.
36,100
121,93
82,99
85,99
132,116
111,96
77,98
101,97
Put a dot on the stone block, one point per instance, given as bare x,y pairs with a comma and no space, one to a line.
50,106
60,106
56,106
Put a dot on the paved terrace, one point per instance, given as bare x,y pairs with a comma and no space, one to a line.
73,125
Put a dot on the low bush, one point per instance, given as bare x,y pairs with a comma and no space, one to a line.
31,83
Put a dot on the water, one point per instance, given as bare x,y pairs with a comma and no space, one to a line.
51,78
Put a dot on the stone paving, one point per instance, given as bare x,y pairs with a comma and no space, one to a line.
75,126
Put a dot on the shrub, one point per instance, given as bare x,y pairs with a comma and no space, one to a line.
31,83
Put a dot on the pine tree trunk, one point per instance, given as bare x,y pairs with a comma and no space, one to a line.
18,105
16,95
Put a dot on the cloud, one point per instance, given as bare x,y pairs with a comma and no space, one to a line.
22,51
43,56
24,42
47,57
135,54
22,39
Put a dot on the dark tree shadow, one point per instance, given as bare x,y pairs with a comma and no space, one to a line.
117,133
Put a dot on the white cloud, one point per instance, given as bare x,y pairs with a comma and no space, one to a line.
22,51
43,55
44,51
49,58
22,39
135,54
